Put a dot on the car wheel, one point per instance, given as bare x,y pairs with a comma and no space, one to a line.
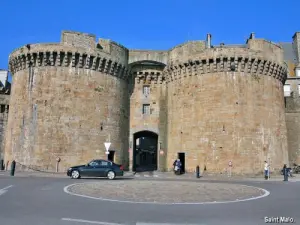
75,174
111,175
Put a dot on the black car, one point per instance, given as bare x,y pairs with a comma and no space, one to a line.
96,168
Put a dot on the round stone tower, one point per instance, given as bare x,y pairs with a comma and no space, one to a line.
225,103
67,99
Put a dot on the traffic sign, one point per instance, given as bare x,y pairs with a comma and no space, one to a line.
107,145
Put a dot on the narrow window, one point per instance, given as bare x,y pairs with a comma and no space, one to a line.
146,90
146,109
2,108
287,90
299,89
297,72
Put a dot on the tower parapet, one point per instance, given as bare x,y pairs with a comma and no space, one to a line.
258,57
77,50
221,104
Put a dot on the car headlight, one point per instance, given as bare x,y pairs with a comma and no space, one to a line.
70,169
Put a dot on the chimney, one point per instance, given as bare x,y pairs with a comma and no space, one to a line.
252,35
208,41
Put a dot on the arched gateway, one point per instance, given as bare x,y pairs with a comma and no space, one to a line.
145,151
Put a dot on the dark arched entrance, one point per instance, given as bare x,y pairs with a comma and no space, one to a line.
145,151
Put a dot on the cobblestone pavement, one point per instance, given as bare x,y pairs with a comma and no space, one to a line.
165,191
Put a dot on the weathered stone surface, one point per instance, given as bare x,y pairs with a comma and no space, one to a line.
4,108
166,192
215,104
292,108
66,105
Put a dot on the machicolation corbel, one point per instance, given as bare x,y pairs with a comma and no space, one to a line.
99,89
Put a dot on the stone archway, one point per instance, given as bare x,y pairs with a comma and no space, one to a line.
145,148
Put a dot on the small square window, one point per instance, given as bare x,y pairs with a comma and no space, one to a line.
146,90
146,109
287,90
297,72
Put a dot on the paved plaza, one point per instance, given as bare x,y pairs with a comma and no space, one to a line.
165,192
45,201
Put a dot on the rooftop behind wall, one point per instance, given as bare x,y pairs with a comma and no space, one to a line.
3,77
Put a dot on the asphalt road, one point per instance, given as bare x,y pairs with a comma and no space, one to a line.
42,201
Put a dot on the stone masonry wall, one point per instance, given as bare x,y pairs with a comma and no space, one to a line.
227,104
4,109
149,75
214,103
292,108
66,102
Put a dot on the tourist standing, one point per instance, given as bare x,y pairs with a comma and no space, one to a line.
267,170
229,168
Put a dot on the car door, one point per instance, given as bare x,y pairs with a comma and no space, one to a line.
90,169
102,168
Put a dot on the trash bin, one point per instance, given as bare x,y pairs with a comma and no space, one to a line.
13,167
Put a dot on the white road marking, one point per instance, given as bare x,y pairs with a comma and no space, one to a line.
107,223
266,193
141,223
89,221
4,190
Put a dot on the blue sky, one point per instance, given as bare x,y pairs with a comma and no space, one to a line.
145,24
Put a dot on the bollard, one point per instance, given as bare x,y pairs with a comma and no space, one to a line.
1,164
13,167
198,172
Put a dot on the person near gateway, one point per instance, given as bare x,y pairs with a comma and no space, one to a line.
177,166
230,168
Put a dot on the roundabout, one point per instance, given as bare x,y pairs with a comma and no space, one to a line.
166,193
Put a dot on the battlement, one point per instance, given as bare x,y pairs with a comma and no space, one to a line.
74,50
148,55
78,40
268,49
254,66
186,50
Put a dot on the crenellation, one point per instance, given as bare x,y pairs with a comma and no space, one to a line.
225,64
66,59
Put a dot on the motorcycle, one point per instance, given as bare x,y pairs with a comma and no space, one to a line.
177,170
296,168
